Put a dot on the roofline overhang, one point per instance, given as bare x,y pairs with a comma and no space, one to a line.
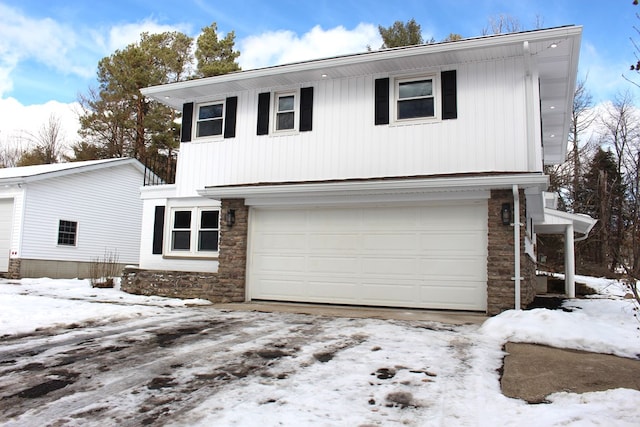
357,189
164,93
73,170
555,219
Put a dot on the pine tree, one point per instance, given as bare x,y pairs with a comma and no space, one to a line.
215,56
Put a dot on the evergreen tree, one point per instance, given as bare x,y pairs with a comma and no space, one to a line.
401,34
215,56
119,122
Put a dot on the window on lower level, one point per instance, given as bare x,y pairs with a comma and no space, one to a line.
194,231
210,119
415,98
67,232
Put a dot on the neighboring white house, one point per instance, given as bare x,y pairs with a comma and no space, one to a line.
55,219
387,178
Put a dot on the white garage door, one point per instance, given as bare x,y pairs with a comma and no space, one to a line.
6,215
403,256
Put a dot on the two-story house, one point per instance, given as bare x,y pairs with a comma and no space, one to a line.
387,178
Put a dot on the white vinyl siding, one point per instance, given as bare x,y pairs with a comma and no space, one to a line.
104,202
489,135
431,256
6,216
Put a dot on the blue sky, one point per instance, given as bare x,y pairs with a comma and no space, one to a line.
49,50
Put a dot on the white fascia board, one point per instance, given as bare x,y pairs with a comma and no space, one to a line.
165,191
341,189
582,224
71,168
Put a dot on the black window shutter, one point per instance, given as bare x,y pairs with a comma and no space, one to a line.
449,95
231,106
187,120
158,229
306,109
382,101
263,113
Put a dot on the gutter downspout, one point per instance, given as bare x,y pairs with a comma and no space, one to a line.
516,244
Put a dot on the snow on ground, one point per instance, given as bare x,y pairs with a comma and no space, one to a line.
30,304
383,372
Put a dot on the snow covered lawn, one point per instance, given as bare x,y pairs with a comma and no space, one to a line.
71,355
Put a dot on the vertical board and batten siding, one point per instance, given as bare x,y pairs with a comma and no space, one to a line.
488,135
106,205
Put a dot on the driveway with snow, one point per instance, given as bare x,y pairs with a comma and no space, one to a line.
71,355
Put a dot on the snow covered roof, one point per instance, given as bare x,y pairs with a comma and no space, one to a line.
37,172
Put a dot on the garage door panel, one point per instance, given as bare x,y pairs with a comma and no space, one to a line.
332,265
283,242
431,256
342,220
457,242
342,292
390,217
461,268
446,297
332,242
391,242
282,289
280,263
389,267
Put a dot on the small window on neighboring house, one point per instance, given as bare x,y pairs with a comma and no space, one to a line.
210,120
415,99
67,232
194,231
285,111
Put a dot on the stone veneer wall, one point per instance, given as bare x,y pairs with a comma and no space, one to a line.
14,268
500,286
227,285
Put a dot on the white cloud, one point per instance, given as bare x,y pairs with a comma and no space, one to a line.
120,36
22,38
281,47
18,122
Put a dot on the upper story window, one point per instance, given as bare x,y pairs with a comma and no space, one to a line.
285,111
67,232
415,98
194,231
210,120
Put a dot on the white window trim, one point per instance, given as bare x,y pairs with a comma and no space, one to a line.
196,121
296,112
435,78
195,228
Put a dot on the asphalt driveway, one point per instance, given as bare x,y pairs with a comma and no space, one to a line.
225,366
156,370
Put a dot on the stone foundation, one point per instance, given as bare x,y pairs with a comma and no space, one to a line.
500,260
227,285
14,268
